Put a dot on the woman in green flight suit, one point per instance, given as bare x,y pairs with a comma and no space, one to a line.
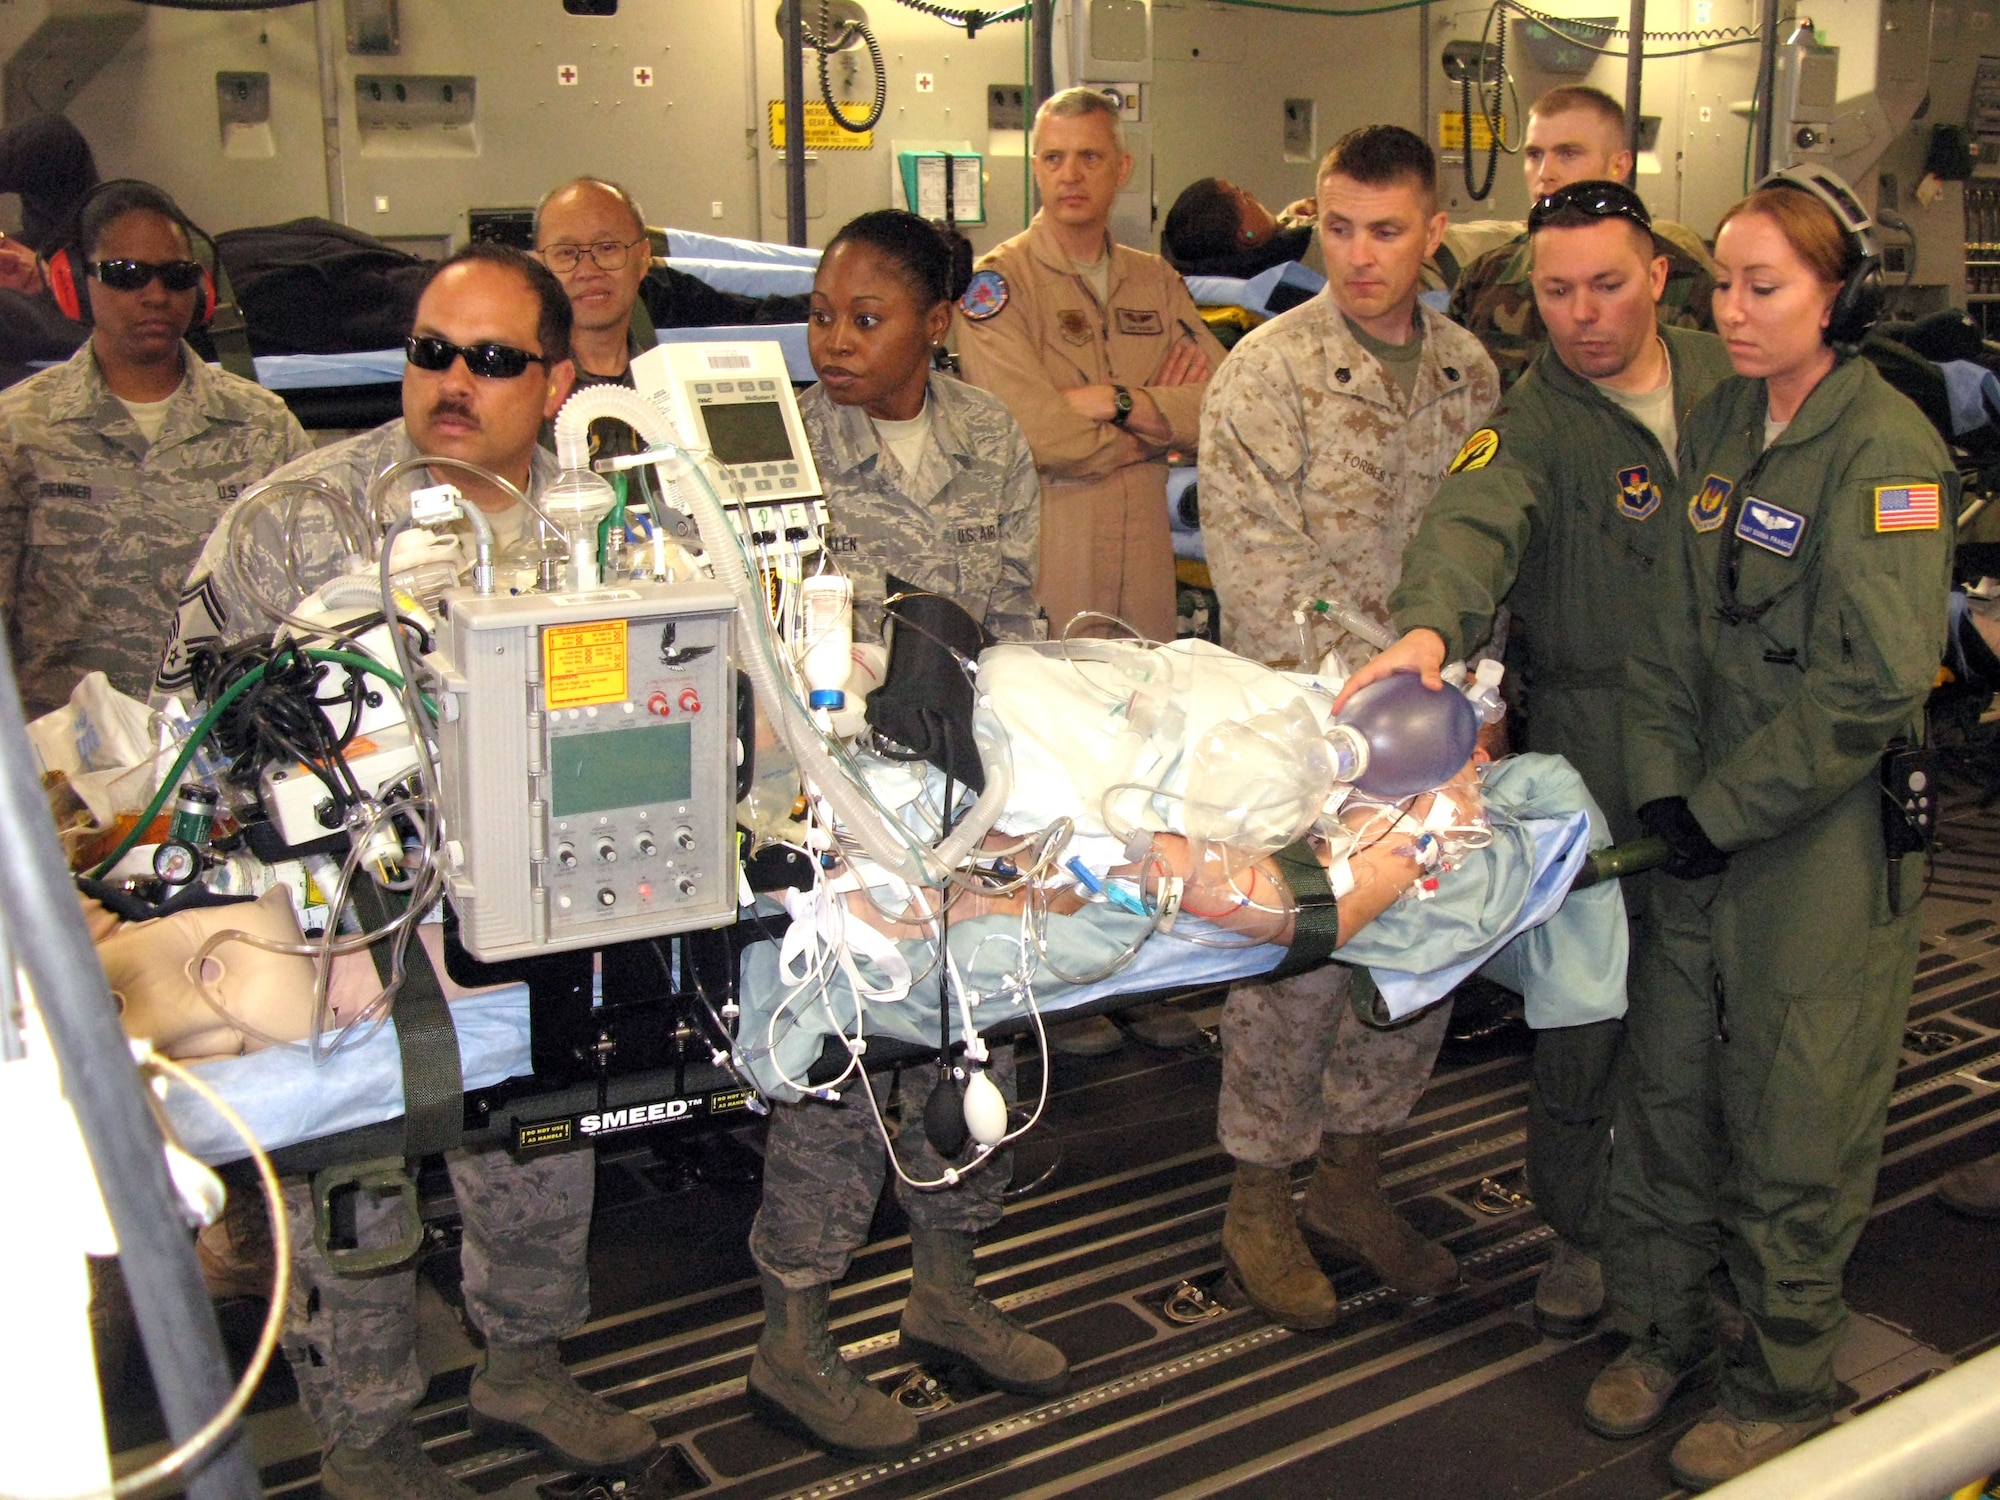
1796,636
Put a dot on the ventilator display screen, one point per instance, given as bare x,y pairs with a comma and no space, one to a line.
619,768
747,432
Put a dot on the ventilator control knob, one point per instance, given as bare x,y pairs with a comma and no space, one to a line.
607,850
607,897
646,846
566,856
684,837
685,885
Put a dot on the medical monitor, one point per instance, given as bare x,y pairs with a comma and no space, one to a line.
734,404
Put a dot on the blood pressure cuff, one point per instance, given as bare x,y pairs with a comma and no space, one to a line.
925,702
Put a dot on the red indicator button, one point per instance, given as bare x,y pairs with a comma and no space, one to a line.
659,704
690,701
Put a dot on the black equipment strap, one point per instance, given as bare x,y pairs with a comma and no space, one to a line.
1316,925
433,1082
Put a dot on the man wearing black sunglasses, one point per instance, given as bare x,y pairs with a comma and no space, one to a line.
115,464
1575,134
1556,509
487,362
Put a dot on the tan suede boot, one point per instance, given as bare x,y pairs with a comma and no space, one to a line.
1344,1206
799,1383
1263,1249
947,1322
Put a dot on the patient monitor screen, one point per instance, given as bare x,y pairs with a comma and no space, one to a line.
619,768
747,432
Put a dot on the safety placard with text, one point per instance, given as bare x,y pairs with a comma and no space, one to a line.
1451,132
821,133
584,664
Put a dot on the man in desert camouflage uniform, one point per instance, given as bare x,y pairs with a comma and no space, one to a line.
352,1340
1575,134
1322,438
115,464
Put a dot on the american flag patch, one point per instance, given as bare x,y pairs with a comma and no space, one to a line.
1906,507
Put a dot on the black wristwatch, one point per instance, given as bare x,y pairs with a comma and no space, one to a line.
1122,402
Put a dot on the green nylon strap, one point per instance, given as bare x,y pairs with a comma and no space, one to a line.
1316,924
227,330
433,1082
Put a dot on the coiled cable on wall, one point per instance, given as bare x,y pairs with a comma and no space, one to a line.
824,45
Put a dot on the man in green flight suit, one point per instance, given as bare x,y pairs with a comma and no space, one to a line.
1555,510
1575,134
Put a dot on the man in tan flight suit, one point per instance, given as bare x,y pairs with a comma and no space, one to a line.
1100,355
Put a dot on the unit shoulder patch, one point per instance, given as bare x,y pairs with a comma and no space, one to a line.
1705,509
1638,496
1476,452
984,295
1772,527
1907,507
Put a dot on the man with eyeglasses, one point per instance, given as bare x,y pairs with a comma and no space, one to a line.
488,362
1575,134
115,464
1556,509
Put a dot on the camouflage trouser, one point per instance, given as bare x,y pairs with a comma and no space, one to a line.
1297,1061
352,1340
823,1171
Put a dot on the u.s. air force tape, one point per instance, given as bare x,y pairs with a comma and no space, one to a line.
1478,451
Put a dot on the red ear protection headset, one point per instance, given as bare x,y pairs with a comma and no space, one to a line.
67,267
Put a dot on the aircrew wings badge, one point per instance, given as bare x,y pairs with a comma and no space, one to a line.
984,295
1705,510
1478,451
1638,496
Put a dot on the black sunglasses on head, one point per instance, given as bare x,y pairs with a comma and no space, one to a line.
134,275
1600,200
488,360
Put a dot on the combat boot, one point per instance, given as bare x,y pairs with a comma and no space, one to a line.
1344,1206
799,1383
1569,1294
1973,1189
947,1322
396,1468
524,1392
1630,1395
1720,1447
1264,1251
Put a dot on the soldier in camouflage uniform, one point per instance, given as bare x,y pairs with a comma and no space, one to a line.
115,464
932,479
1322,438
351,1340
1575,134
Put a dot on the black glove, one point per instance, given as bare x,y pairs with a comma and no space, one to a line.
1694,854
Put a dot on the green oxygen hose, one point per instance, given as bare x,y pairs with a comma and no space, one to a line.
206,726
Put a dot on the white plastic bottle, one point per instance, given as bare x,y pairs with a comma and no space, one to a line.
826,607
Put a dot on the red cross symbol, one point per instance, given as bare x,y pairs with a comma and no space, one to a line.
643,77
565,74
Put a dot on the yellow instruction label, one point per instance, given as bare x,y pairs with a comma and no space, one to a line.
821,133
584,664
1451,132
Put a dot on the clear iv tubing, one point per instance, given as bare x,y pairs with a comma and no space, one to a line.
351,529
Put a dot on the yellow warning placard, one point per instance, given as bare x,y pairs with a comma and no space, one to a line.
821,133
1451,132
584,664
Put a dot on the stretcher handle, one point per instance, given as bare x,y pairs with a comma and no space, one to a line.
383,1175
1619,860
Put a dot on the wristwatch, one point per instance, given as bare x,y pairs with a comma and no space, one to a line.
1122,401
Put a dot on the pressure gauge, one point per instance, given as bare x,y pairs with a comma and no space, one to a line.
176,863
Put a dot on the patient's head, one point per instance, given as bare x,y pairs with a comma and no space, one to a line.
881,304
1216,228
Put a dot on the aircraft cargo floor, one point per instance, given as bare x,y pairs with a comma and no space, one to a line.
1459,1396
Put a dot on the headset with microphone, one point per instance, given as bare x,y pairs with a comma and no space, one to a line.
1859,303
68,268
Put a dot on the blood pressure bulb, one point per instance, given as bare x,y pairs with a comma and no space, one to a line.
1416,737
